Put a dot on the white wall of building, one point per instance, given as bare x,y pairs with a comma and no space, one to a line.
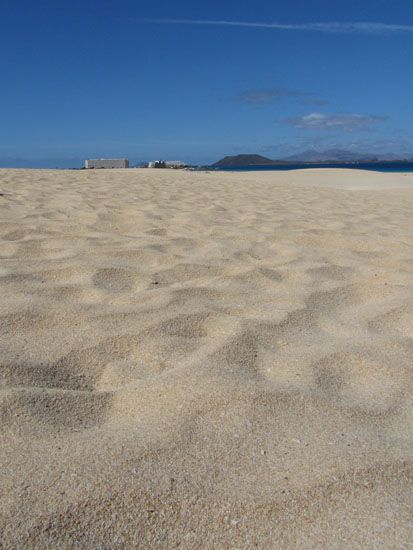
107,163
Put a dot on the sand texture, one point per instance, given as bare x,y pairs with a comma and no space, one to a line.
206,360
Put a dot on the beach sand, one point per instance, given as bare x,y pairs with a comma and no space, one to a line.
205,360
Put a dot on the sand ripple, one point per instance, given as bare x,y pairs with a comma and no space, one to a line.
204,360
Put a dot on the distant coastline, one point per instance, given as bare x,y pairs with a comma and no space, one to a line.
343,160
388,166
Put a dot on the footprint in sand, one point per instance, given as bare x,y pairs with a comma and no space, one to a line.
52,409
186,272
115,279
16,235
352,380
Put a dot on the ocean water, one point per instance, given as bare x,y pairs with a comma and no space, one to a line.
376,166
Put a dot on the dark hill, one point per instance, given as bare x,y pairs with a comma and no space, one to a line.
331,156
244,160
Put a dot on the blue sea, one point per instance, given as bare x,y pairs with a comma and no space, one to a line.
376,166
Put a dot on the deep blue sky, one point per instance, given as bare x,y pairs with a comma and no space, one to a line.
96,78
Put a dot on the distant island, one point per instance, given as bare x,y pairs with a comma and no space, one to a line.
244,160
331,156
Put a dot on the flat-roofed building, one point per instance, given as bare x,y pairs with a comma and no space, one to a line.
166,164
106,163
174,164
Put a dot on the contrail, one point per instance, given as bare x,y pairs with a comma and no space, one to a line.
333,27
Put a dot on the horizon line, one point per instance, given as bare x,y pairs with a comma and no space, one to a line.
329,27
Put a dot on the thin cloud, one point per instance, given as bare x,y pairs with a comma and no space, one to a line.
315,101
266,96
347,122
332,27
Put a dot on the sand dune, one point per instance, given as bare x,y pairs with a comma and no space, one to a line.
205,360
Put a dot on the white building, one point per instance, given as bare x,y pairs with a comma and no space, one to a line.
166,164
107,163
174,164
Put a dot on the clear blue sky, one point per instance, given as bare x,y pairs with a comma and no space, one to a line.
155,80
